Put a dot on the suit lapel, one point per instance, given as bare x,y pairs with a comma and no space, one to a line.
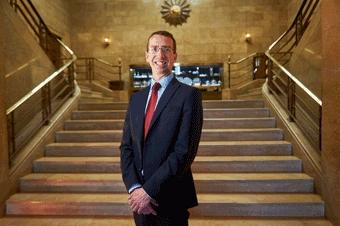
168,93
139,116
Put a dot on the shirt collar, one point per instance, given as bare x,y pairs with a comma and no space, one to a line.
163,81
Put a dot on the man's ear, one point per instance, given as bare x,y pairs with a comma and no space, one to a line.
146,56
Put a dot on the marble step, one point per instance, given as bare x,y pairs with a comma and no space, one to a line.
206,104
202,164
207,113
207,135
114,124
128,221
205,182
206,148
211,205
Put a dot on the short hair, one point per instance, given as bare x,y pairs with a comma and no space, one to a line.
162,33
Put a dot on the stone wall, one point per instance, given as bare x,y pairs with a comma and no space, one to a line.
214,30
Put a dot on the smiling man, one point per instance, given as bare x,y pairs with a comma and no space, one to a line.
161,134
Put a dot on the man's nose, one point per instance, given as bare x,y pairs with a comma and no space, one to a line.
161,52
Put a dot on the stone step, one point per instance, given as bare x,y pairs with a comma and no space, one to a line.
206,104
206,148
82,149
205,182
103,106
103,114
96,98
233,104
114,124
102,124
264,134
208,113
91,94
211,205
202,164
224,164
236,113
207,135
128,221
244,148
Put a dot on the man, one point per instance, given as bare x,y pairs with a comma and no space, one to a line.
160,139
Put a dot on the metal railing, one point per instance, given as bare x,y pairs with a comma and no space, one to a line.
47,40
90,69
246,69
302,105
34,110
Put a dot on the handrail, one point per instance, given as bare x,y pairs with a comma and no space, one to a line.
297,81
290,27
242,59
48,96
287,89
43,83
105,62
256,63
92,70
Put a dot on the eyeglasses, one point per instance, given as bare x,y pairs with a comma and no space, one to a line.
156,49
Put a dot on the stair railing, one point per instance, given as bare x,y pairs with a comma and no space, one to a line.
246,69
90,69
302,105
47,40
35,109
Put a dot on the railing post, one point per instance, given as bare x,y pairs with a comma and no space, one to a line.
42,36
320,127
120,69
14,4
71,77
229,71
269,72
91,69
291,99
298,28
11,137
46,103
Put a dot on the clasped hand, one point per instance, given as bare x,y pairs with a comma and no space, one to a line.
141,203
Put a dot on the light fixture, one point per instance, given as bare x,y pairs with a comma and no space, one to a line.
106,42
175,12
247,37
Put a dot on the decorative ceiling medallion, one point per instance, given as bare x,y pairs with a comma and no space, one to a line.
175,12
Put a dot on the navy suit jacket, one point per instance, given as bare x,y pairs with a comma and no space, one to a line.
168,150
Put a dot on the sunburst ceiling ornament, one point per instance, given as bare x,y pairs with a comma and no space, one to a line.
175,12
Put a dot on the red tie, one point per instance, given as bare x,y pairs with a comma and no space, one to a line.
151,107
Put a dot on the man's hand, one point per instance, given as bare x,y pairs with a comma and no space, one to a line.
140,202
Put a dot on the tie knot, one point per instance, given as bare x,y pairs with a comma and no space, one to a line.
156,87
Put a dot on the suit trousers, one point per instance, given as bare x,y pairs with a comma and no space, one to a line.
179,219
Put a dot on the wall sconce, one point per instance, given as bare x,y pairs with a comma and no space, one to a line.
106,42
247,38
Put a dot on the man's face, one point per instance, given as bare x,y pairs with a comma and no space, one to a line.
160,56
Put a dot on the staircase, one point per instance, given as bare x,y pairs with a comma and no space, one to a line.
245,173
